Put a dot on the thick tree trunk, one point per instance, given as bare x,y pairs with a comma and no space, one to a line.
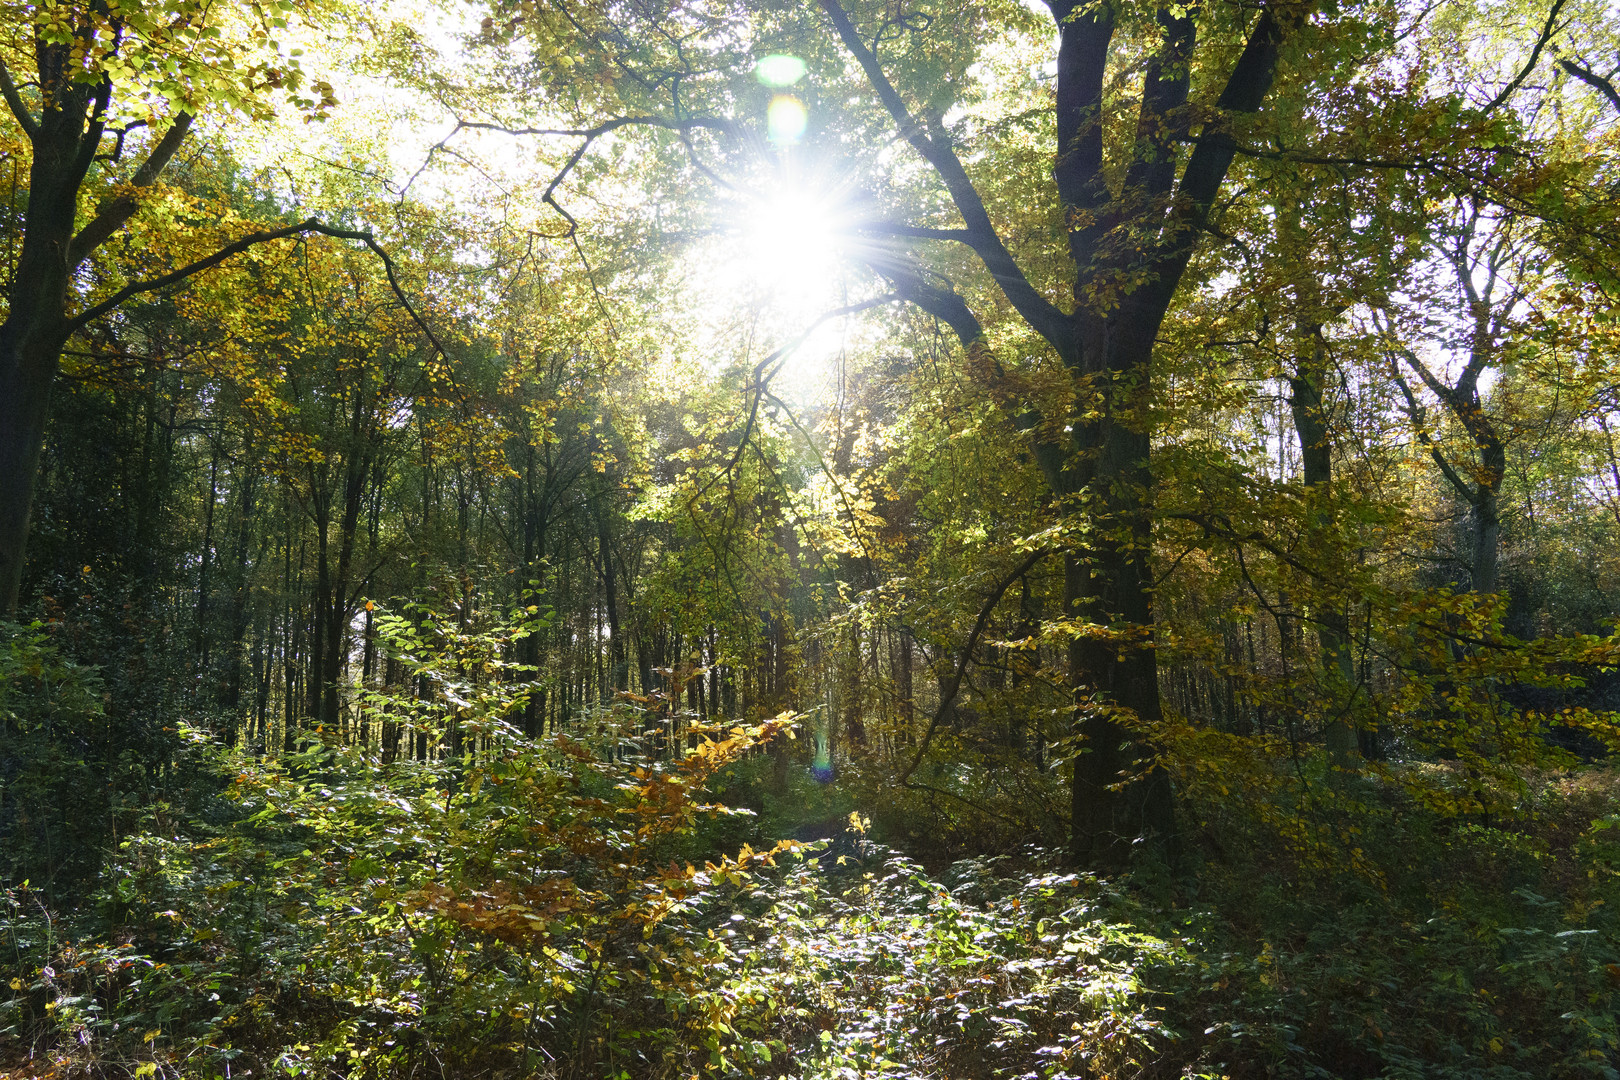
27,370
35,329
1119,794
1487,524
65,139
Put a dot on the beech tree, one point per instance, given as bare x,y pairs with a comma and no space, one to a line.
102,73
1129,240
1135,201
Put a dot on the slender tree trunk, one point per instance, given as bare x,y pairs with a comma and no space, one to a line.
619,665
903,685
1316,458
357,468
318,612
202,639
248,483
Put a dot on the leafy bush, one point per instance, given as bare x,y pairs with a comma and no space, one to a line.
53,797
366,916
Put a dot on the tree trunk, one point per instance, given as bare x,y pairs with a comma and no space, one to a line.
357,467
619,664
1316,458
1487,524
65,140
232,696
318,611
1130,246
35,329
27,370
1118,793
202,639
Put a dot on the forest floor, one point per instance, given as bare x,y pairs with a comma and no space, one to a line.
1455,949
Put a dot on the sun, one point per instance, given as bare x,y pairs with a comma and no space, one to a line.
792,246
782,261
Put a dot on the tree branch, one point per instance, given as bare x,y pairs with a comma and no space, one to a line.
1414,409
310,225
111,214
916,232
1085,32
589,136
1245,91
1421,370
1535,54
1592,79
1042,315
712,123
767,369
943,304
25,120
952,685
1162,121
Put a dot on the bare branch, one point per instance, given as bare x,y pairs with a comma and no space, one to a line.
767,369
1085,33
1421,370
589,135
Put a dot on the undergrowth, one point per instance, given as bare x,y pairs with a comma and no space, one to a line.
212,955
583,907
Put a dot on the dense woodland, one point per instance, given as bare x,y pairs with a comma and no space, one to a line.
809,538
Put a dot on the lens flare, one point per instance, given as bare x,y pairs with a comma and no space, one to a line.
779,70
822,769
786,120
